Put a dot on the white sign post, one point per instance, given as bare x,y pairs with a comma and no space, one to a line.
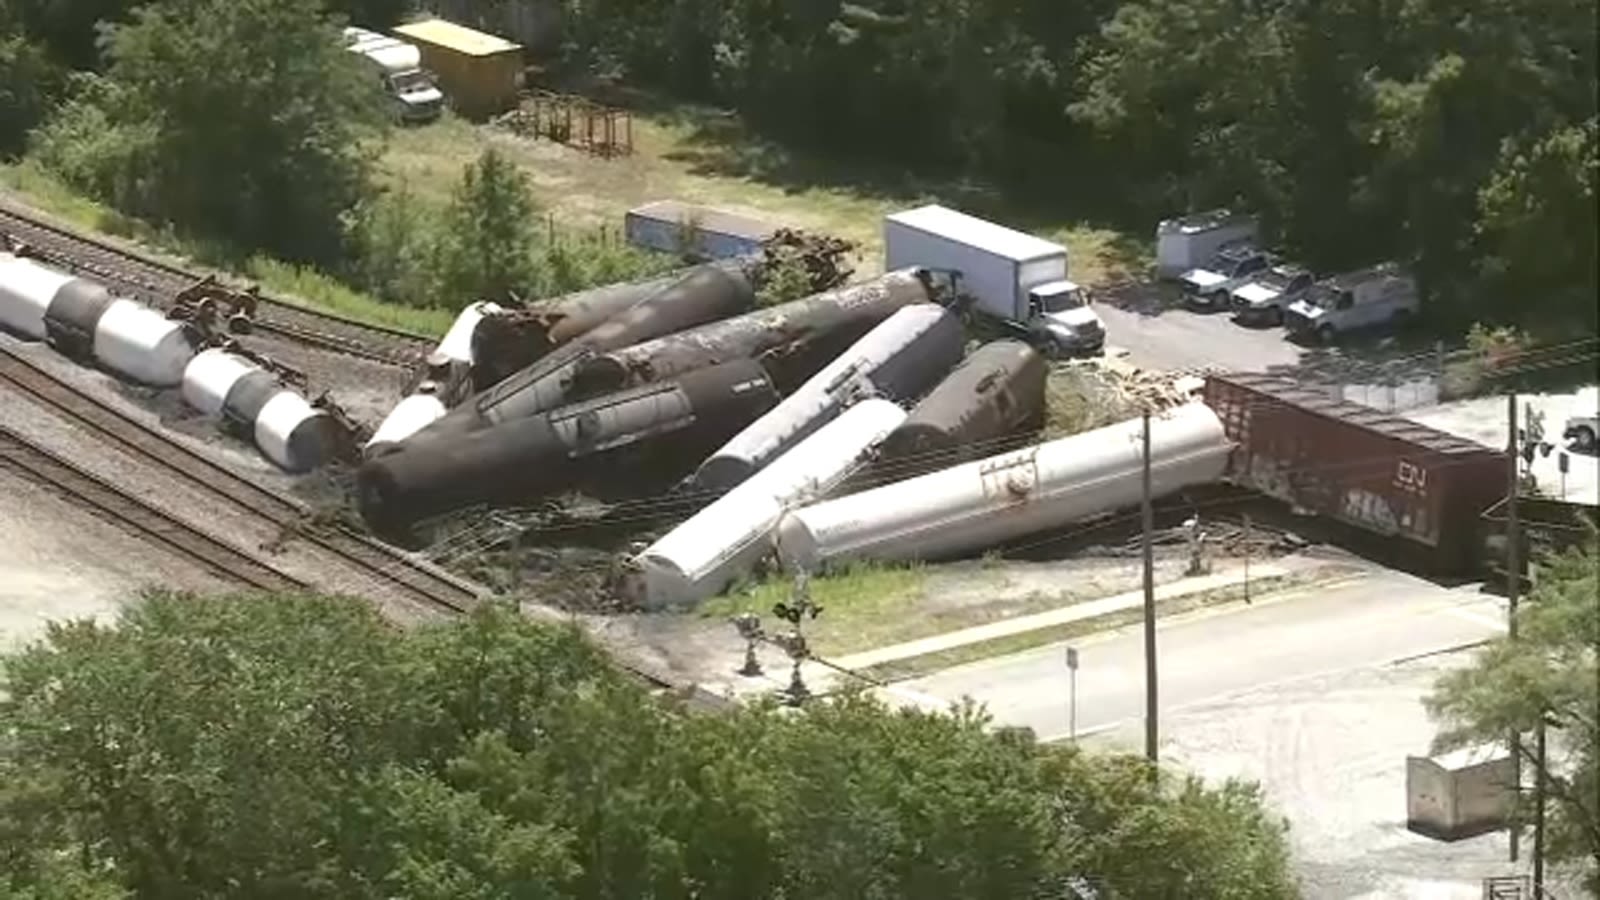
1072,709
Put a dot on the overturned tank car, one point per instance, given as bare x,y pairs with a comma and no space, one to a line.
658,427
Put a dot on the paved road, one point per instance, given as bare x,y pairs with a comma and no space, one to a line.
1373,619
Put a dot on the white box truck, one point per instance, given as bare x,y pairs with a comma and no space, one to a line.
1010,276
1189,242
413,95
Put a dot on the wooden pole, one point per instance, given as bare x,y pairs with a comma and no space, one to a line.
1151,737
1513,588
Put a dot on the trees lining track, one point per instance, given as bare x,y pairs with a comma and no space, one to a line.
376,561
156,283
88,489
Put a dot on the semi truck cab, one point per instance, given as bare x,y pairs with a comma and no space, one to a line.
1061,313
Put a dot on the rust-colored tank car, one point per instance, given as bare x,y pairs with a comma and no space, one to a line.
1378,472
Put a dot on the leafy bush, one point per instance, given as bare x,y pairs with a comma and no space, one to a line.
296,746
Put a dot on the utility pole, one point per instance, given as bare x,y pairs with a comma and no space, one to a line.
1247,559
1538,809
1148,514
1513,587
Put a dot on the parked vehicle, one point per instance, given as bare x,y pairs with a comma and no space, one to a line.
481,71
1581,432
1384,294
1010,276
1236,264
1388,476
412,93
1263,298
1188,242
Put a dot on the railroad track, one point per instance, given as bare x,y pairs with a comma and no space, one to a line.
155,282
373,560
112,502
376,561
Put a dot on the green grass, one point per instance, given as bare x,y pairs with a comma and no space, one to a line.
324,292
864,605
702,156
314,289
917,666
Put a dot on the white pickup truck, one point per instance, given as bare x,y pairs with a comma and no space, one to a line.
1013,277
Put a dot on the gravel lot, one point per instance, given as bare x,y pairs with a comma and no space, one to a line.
1330,753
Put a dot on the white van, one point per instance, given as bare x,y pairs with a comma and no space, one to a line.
1189,242
1384,294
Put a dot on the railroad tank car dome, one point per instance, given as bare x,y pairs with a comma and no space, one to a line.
409,416
73,317
26,289
142,344
210,376
293,433
901,358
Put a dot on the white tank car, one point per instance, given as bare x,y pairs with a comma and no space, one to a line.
980,504
456,346
705,554
412,414
901,358
135,340
26,289
210,376
293,433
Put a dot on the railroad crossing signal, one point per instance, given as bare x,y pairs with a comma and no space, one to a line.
1072,658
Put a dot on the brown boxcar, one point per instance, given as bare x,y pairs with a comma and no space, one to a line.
1378,472
477,71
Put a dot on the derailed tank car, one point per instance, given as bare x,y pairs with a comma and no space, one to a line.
720,543
704,294
800,336
981,504
441,381
512,340
998,390
1383,474
253,404
900,359
527,457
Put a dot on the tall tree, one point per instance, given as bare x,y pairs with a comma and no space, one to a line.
485,250
240,119
1551,671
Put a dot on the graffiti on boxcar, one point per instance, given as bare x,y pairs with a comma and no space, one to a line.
1370,509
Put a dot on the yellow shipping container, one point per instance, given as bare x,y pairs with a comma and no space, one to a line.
477,71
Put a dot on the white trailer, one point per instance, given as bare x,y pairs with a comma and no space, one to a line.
1189,242
1009,275
413,94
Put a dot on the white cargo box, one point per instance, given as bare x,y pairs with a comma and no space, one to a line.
997,266
1189,242
698,232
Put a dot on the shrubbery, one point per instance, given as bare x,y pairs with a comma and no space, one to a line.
297,747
